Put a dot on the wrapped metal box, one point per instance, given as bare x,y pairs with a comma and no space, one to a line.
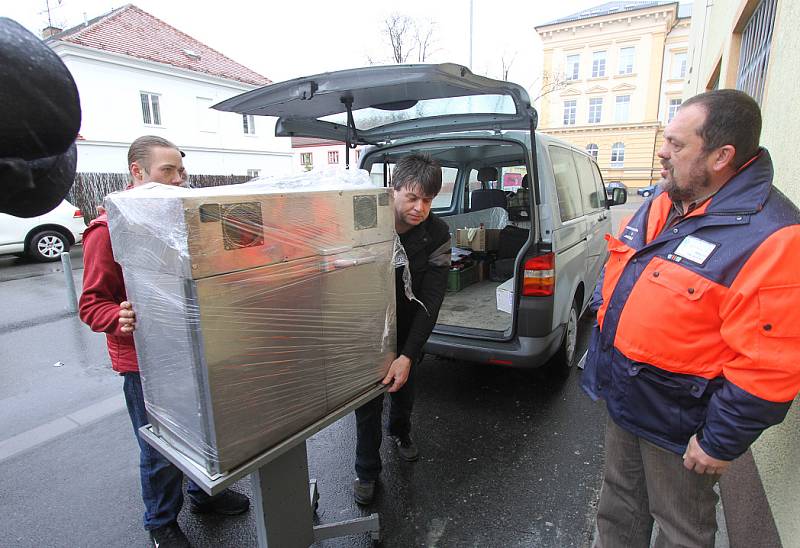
260,307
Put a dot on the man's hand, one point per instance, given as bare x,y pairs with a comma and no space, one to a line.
398,372
698,460
127,318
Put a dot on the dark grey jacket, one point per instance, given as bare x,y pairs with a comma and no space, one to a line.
427,246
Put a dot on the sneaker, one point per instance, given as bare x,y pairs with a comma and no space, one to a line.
406,447
227,503
169,536
364,491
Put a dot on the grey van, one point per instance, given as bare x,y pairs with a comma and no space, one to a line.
538,205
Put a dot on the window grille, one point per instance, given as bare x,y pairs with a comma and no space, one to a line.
755,50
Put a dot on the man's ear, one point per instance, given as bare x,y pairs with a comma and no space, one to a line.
723,158
136,171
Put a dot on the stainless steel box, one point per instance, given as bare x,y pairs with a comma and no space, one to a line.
258,311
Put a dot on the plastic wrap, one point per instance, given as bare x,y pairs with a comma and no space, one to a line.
261,307
493,217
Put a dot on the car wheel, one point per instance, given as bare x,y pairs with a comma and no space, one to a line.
561,363
646,193
47,246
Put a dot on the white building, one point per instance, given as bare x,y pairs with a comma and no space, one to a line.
311,153
137,75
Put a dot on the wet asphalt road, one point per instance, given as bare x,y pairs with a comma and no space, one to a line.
508,457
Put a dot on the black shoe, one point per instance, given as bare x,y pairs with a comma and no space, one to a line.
406,447
169,536
227,503
364,491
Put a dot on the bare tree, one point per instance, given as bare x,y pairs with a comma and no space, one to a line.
506,60
551,81
425,39
399,29
408,39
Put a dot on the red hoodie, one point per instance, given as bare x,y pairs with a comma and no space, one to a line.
103,291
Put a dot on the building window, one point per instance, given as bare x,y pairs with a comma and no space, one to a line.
595,110
598,64
206,116
593,150
673,108
248,124
333,156
307,159
569,112
573,67
679,65
623,108
617,154
755,50
252,173
626,60
151,112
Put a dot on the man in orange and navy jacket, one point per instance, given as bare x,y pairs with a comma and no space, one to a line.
696,350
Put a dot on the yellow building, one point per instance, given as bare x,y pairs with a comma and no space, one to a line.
623,67
753,45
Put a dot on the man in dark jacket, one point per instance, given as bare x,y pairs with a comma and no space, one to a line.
416,181
105,309
697,347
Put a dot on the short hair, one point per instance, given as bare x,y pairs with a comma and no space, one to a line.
139,150
732,118
418,170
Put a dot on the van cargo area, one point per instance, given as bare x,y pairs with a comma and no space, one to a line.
486,202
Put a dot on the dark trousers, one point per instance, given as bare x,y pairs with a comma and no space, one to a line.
368,427
643,483
162,491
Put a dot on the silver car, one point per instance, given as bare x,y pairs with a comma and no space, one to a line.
537,248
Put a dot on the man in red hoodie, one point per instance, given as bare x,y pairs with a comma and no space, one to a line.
104,308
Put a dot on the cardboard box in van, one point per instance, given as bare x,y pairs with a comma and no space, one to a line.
478,239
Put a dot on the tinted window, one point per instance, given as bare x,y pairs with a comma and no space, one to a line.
591,197
598,182
567,186
445,196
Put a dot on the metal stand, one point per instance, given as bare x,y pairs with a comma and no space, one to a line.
284,498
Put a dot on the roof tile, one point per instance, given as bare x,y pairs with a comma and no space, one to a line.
132,31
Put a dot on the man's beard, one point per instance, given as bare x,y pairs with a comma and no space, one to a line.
698,180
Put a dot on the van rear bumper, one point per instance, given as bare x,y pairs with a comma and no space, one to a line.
523,352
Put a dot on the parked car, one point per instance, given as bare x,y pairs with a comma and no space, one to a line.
612,185
45,237
550,256
647,191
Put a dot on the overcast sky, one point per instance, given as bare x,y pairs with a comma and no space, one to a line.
285,39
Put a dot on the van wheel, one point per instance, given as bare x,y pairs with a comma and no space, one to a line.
561,363
47,246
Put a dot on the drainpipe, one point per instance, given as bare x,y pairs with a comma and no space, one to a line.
660,87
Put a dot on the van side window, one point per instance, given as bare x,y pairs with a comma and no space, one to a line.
591,196
598,181
567,186
445,197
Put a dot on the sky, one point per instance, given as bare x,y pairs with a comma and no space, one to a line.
287,39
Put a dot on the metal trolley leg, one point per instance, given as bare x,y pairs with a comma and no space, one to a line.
283,515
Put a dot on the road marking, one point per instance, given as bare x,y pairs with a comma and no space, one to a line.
60,426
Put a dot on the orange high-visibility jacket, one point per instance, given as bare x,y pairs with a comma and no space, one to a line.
698,325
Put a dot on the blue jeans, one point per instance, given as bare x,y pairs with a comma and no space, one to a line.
162,491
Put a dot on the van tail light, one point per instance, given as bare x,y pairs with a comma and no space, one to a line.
77,214
539,278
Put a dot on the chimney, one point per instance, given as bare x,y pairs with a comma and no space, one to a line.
47,32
